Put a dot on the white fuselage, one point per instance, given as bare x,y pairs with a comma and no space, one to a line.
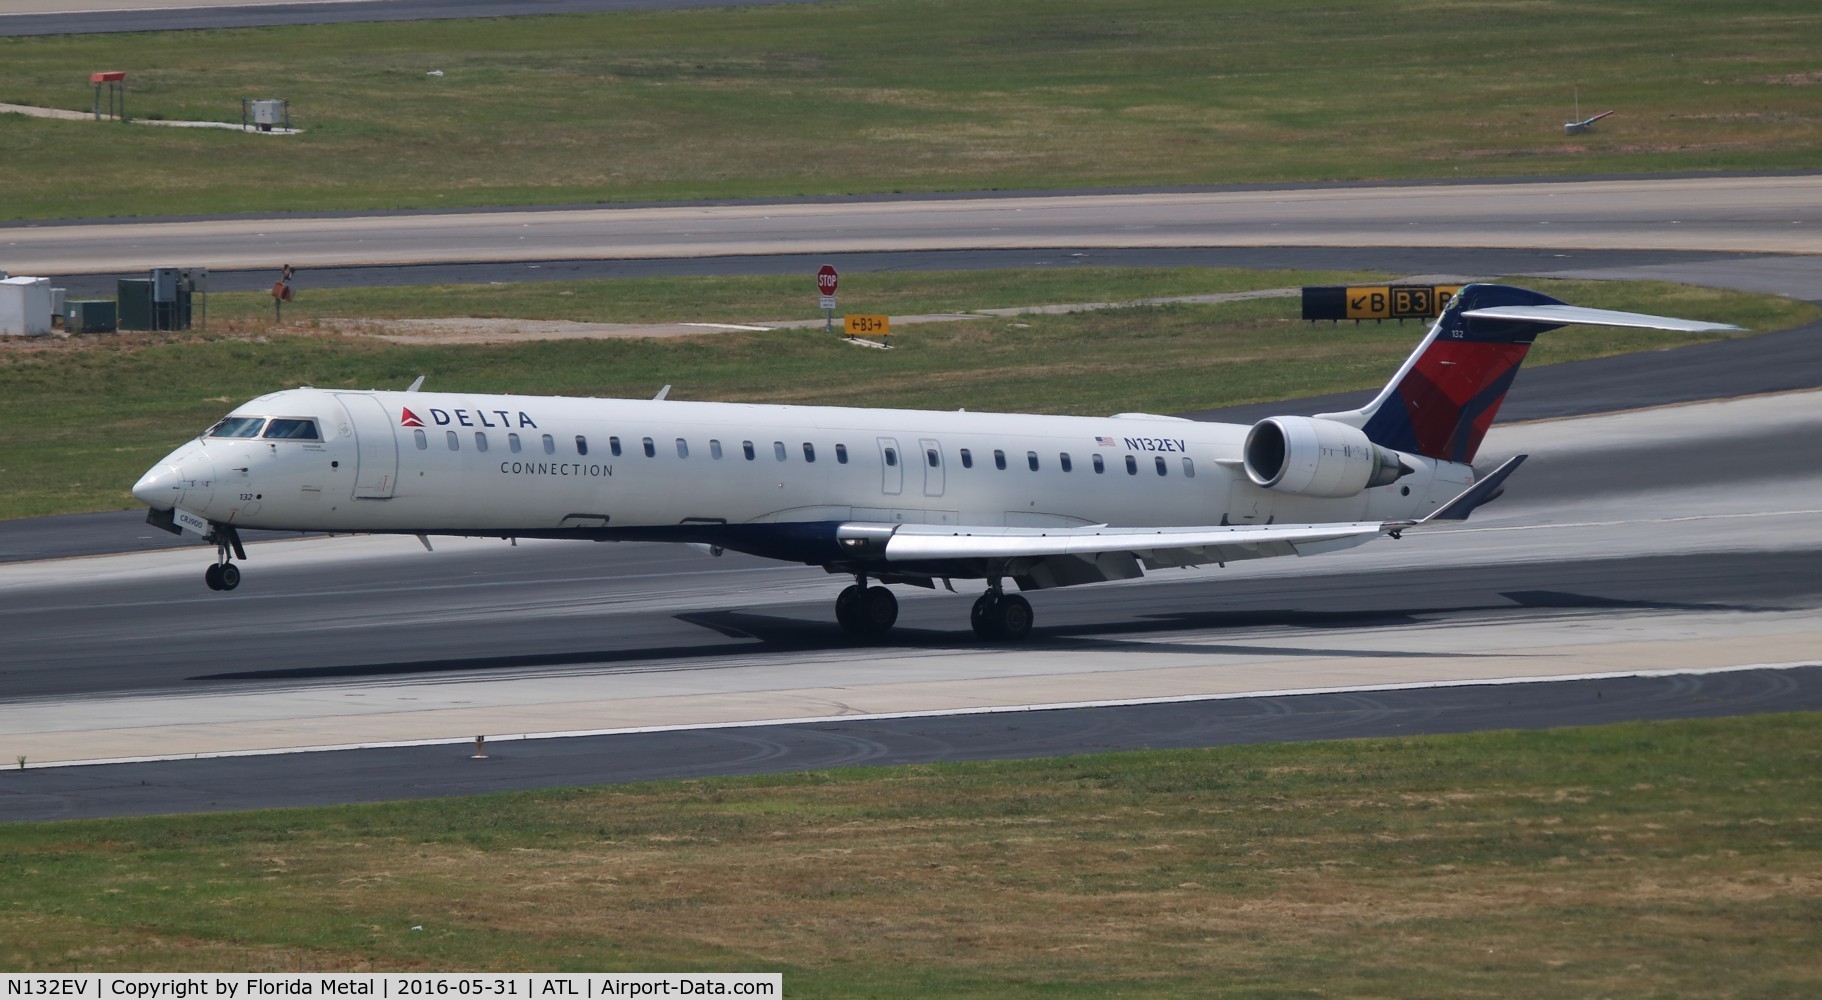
542,465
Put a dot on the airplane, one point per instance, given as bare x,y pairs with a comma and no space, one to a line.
886,496
1578,127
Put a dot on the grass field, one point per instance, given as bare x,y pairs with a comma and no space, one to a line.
912,95
80,420
1640,860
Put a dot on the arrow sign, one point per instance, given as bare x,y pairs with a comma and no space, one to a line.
827,279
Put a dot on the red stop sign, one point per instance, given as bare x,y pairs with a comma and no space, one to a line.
826,279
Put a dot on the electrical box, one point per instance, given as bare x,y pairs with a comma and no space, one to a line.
89,316
164,284
268,115
25,306
135,296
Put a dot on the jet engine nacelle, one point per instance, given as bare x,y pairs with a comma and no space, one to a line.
1319,458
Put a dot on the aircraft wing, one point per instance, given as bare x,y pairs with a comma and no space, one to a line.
1174,546
1039,558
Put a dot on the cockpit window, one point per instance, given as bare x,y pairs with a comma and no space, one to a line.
295,429
237,427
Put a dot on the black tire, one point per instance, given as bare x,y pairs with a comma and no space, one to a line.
212,576
1012,618
847,607
879,611
230,576
981,617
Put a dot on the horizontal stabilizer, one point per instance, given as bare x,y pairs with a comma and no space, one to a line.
1563,315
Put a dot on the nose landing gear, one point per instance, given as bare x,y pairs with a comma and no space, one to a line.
223,574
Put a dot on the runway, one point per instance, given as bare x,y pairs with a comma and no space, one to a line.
1773,215
86,17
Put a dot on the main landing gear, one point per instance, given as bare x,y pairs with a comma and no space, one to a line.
999,615
224,575
865,610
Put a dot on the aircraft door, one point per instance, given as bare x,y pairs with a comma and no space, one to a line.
892,467
932,461
377,449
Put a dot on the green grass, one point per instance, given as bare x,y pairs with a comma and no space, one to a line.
1638,860
80,420
913,95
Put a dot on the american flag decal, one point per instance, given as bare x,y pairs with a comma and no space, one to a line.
1106,442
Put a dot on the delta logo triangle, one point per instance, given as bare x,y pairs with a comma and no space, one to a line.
409,419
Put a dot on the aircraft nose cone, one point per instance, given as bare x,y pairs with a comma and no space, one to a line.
160,488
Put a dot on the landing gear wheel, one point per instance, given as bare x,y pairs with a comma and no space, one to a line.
1012,618
981,617
848,607
230,576
879,610
999,616
212,576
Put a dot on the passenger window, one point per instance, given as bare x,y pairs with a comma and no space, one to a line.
683,448
613,445
292,429
1162,468
930,456
841,454
714,449
550,445
512,443
999,459
1063,460
778,450
967,459
1099,466
1132,466
651,449
581,445
1189,468
891,456
454,445
746,448
480,440
423,442
1031,459
809,452
238,427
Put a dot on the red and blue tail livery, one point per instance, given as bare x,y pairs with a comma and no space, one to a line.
1443,400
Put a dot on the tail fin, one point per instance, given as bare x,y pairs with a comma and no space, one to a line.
1443,399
